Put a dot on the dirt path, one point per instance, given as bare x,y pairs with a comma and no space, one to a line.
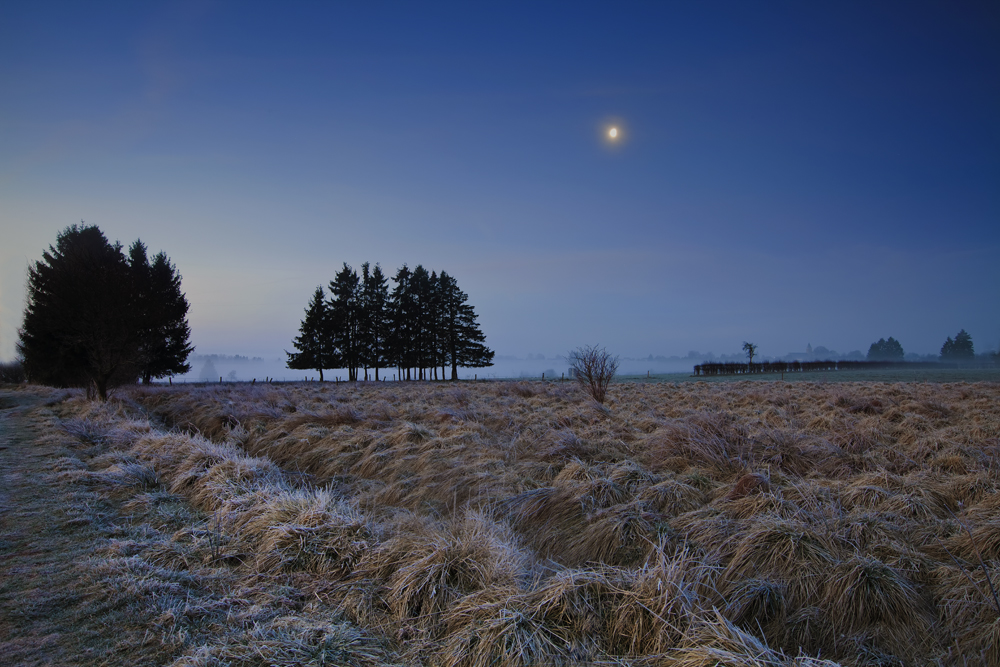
52,609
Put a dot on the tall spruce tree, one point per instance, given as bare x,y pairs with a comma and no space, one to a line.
463,339
419,325
164,345
435,319
402,306
375,306
315,343
345,312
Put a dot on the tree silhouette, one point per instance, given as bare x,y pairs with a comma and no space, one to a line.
424,325
959,349
421,330
750,349
885,350
403,311
463,340
164,345
345,314
315,342
95,318
375,318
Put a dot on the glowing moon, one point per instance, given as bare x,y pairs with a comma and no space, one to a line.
613,133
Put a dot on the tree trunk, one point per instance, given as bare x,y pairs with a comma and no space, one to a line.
102,389
320,374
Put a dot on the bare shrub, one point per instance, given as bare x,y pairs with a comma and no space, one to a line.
593,368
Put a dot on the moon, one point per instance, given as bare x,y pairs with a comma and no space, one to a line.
613,133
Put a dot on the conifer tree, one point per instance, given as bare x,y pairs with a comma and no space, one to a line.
885,350
375,298
345,312
315,342
419,325
435,319
959,349
402,307
165,334
463,339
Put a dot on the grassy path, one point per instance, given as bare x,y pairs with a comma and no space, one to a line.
52,610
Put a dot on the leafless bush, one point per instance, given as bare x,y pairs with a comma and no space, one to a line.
594,368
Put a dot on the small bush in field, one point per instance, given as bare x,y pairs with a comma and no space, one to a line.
594,368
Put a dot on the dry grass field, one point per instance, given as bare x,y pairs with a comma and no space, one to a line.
515,523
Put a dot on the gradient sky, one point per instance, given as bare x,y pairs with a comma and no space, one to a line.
788,172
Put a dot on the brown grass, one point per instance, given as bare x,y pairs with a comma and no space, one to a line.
522,524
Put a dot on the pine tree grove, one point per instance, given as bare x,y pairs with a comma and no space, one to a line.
422,326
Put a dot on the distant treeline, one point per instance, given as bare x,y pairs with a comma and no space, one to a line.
733,368
237,358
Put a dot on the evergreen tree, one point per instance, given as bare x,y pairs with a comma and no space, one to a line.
375,306
435,320
885,350
959,349
315,342
165,335
419,324
463,339
402,311
345,311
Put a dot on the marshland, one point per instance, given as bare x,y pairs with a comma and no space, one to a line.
522,523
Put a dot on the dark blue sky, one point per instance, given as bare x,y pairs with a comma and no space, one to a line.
787,172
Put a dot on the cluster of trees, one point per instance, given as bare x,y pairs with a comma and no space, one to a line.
99,317
958,349
885,350
732,368
424,323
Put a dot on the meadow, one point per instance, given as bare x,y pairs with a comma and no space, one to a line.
521,523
